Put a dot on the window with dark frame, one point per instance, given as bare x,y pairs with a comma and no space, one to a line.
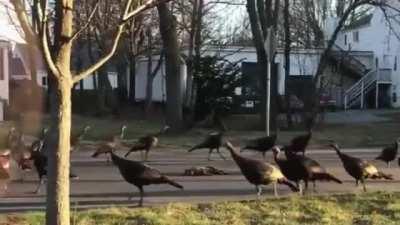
44,81
345,39
395,64
356,36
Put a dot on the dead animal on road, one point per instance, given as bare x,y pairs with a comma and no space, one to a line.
204,171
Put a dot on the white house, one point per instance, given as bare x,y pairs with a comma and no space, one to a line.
304,64
373,33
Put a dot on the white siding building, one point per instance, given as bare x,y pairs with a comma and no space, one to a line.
373,33
303,65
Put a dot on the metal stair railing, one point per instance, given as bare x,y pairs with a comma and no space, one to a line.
356,92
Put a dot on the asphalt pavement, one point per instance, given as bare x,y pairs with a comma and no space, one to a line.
101,185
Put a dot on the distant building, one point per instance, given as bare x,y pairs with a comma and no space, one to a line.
304,63
374,35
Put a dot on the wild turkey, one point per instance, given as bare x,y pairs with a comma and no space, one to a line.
5,169
116,140
19,152
262,144
13,138
359,169
146,143
140,174
103,149
76,139
258,172
212,141
389,153
40,163
299,143
301,168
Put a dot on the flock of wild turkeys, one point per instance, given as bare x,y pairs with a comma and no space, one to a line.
292,167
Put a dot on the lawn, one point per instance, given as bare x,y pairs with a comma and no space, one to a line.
376,134
361,209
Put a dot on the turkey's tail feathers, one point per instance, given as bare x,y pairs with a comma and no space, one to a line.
289,184
96,154
195,147
135,148
171,182
381,175
327,177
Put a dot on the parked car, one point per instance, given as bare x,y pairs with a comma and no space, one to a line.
327,102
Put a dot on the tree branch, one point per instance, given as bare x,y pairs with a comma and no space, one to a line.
125,18
30,35
148,5
19,8
75,35
44,41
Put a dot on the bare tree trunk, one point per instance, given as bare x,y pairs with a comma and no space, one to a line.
132,77
151,74
122,81
173,76
59,163
102,92
287,62
262,59
150,77
58,206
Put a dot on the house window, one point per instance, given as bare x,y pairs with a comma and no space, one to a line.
356,36
2,64
395,64
345,39
44,81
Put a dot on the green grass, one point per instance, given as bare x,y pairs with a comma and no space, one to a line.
240,128
371,209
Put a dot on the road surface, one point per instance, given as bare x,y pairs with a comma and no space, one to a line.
100,184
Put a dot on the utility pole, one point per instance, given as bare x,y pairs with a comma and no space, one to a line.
267,46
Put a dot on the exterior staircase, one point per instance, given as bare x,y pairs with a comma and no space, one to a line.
355,95
351,62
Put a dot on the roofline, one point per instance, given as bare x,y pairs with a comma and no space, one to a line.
356,28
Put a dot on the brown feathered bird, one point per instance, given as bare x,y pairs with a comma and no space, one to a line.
258,172
13,138
5,169
262,144
299,143
359,169
76,139
19,152
301,168
139,174
103,149
116,140
40,162
212,141
146,143
389,153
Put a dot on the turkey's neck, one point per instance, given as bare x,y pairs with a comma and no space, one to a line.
235,155
338,152
122,135
276,157
82,135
